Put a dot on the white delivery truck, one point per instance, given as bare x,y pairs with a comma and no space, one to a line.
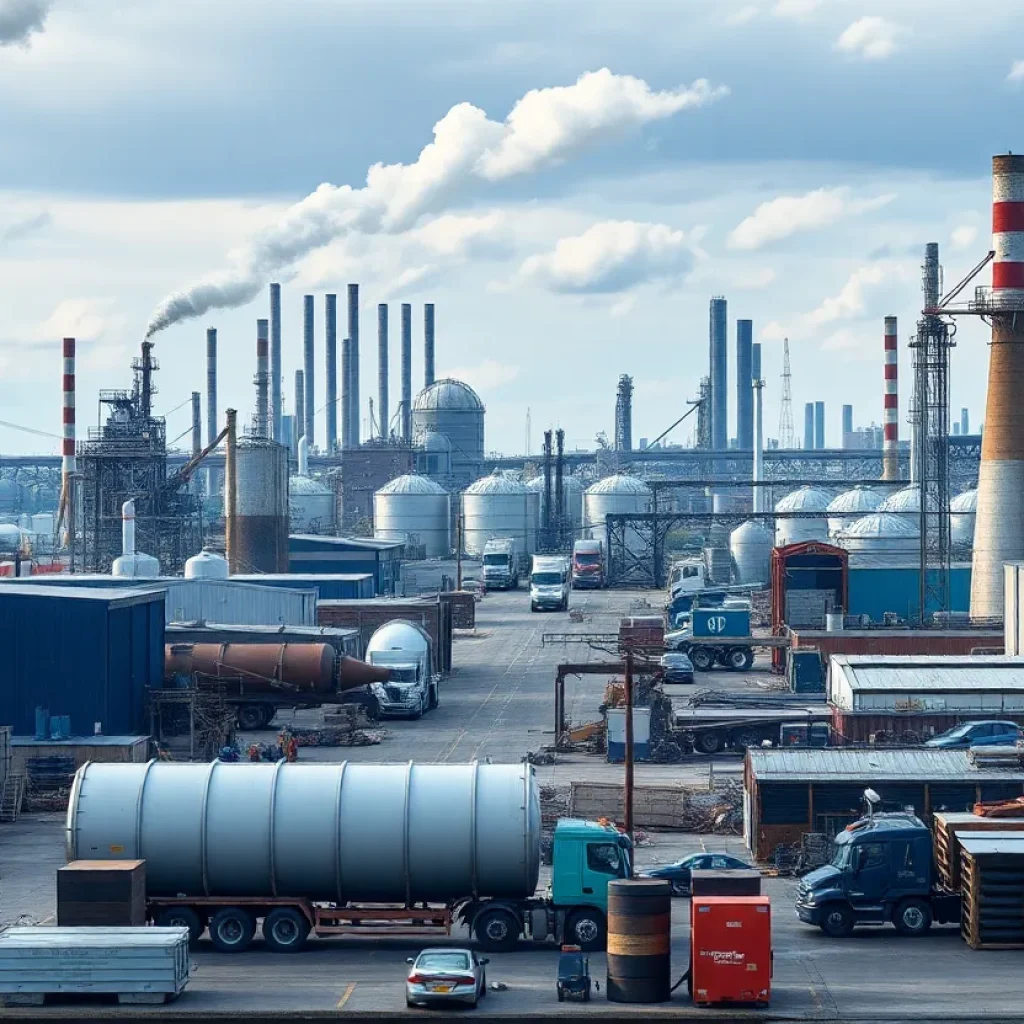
501,564
405,649
549,583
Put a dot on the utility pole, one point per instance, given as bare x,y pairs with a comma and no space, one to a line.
458,551
628,789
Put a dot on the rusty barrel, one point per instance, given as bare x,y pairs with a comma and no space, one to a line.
639,946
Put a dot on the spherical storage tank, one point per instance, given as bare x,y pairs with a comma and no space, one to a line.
963,512
499,506
414,509
795,531
750,545
850,506
207,565
613,495
454,410
572,497
327,832
881,536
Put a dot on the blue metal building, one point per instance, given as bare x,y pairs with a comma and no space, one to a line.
342,586
875,590
313,555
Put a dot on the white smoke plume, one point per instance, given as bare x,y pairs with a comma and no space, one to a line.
20,18
544,128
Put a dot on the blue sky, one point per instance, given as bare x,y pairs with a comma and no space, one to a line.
792,155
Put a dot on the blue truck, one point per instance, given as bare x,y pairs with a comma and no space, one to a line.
718,635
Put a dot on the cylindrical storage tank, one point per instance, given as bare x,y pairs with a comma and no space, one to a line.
310,506
10,538
415,510
963,510
795,531
850,506
453,409
908,499
380,833
207,565
308,668
613,495
499,506
572,499
639,941
882,538
261,531
750,545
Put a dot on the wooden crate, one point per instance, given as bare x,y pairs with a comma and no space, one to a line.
947,849
992,915
95,893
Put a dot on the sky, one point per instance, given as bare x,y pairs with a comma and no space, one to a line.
568,182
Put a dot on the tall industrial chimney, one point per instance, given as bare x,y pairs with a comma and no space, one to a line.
406,371
891,408
428,344
999,522
68,466
847,426
212,429
331,332
965,421
744,392
382,368
262,378
353,340
819,424
757,441
346,393
719,359
308,371
808,426
276,409
197,423
300,405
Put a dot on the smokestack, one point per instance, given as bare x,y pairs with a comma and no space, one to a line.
197,423
819,425
428,344
965,421
346,393
719,358
891,408
300,405
353,341
231,492
276,409
382,367
308,371
757,442
744,392
211,384
847,425
808,426
406,371
68,465
999,526
262,378
331,331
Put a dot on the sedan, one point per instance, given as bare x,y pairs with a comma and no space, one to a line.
446,975
977,734
677,668
679,873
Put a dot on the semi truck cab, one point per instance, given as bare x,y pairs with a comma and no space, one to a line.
501,564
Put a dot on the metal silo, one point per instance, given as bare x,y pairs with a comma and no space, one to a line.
499,506
882,538
572,498
796,530
207,565
612,495
850,506
415,510
963,509
261,528
906,500
750,545
453,409
311,504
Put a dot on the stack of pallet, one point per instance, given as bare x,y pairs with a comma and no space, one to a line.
992,878
101,893
1010,758
947,848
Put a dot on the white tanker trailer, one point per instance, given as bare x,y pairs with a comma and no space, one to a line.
345,848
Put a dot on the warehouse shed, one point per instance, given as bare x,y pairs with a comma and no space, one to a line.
309,554
337,586
89,654
789,792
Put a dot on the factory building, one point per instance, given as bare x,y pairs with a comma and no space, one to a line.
454,411
309,554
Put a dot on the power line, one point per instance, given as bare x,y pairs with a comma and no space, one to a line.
29,430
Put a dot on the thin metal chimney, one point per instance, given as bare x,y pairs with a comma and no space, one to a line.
308,371
428,344
331,331
262,378
300,406
847,425
211,384
197,423
346,393
68,463
744,392
382,368
819,425
406,371
757,440
719,358
276,409
891,407
353,341
965,421
808,426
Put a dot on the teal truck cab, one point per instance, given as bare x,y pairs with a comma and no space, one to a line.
586,856
882,871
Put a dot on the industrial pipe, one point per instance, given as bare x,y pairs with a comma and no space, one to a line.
231,492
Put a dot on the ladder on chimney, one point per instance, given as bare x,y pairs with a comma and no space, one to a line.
11,796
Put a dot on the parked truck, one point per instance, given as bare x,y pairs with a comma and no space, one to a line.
346,849
549,583
588,564
404,650
501,564
737,728
717,636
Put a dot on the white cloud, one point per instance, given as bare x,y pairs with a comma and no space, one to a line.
26,226
743,15
871,38
786,215
849,302
610,257
964,236
20,18
486,376
795,8
1016,72
623,306
753,280
458,235
84,319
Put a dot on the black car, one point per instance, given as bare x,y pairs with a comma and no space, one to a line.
679,873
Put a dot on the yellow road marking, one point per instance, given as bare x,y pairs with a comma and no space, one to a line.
348,992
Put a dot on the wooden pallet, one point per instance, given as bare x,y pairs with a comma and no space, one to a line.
12,796
992,891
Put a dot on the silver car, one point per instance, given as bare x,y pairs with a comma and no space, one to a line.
446,975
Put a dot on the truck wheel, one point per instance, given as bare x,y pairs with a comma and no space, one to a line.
496,930
838,921
745,740
585,928
372,707
708,742
249,717
703,658
740,659
912,917
433,700
232,929
182,917
285,930
269,711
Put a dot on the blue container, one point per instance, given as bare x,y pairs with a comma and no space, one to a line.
42,723
806,672
721,622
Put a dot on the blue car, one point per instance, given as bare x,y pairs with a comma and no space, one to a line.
977,734
679,873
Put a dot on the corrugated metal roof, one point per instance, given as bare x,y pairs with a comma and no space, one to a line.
108,595
79,741
991,842
354,543
849,765
932,673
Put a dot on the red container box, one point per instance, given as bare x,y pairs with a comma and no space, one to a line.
730,949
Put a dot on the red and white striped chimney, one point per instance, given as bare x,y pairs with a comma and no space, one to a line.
891,405
999,522
68,448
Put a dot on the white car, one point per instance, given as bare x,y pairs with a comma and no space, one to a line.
446,975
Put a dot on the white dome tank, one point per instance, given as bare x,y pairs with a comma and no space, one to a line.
310,503
906,500
882,537
963,512
415,510
453,409
750,545
499,506
850,506
795,531
130,562
572,497
614,495
207,565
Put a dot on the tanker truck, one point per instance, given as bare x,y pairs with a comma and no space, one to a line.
404,649
334,849
260,678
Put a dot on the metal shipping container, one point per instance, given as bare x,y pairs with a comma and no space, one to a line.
88,654
715,622
349,586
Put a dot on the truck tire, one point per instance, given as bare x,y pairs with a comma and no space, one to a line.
838,921
285,930
586,929
703,658
182,917
739,659
496,930
745,739
708,742
232,929
433,700
249,717
912,917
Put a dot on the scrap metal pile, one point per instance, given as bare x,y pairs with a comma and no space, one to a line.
48,783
